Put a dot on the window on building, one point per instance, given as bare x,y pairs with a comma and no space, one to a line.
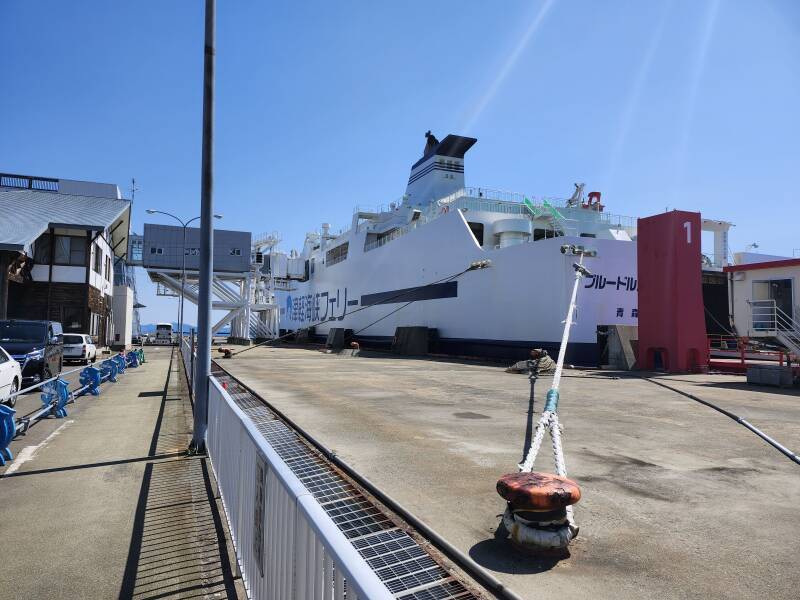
97,263
94,324
236,251
108,268
41,250
72,318
156,250
70,250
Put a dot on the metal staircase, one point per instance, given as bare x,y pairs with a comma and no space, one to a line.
768,319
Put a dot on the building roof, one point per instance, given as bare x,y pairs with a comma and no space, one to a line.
769,264
25,214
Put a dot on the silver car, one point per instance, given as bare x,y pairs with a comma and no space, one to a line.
79,347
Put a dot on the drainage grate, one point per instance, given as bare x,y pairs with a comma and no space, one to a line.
401,563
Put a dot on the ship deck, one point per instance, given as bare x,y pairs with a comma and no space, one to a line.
678,500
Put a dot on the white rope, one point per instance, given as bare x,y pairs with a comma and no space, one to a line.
527,465
549,422
562,350
561,465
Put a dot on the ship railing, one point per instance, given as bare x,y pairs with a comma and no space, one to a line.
393,234
286,545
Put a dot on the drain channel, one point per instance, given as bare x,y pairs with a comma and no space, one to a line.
407,568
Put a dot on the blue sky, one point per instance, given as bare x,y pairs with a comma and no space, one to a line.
322,105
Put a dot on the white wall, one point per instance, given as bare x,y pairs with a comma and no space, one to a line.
741,291
75,274
122,305
99,281
61,274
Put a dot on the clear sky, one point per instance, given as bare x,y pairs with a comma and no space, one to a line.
323,105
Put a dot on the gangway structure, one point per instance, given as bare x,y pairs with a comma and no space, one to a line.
240,286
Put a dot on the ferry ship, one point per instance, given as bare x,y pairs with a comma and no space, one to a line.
403,265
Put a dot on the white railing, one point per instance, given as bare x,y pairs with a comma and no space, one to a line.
767,318
286,545
189,357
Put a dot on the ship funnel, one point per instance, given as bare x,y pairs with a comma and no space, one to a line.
326,229
440,171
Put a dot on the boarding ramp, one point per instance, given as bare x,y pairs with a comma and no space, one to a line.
239,285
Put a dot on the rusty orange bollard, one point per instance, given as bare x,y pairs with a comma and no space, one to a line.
536,515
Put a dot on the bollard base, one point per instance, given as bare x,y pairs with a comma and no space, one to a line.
538,516
538,539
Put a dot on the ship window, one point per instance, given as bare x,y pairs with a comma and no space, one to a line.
477,231
588,235
335,255
236,251
540,234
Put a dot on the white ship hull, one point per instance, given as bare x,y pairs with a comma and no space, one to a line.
517,304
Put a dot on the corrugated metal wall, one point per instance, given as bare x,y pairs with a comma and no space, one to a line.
163,243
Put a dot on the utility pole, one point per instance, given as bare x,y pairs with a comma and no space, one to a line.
206,271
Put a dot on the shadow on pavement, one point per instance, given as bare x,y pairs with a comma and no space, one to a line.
499,555
178,547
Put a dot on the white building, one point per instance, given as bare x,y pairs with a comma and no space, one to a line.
59,240
763,300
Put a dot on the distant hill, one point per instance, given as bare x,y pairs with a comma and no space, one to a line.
187,328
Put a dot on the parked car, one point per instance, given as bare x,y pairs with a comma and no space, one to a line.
10,378
38,347
79,347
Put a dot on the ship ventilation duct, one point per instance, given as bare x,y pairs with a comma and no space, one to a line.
511,231
440,171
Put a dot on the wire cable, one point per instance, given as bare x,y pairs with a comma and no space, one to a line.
772,442
404,305
472,267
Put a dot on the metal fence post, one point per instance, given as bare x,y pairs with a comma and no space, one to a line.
191,363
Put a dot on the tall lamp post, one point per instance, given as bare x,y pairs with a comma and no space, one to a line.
151,211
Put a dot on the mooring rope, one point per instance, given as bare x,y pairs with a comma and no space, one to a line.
548,422
478,264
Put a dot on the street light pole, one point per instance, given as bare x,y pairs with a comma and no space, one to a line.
206,271
185,225
183,289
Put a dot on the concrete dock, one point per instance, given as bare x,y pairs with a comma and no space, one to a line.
105,504
678,500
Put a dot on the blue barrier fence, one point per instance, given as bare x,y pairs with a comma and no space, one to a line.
56,395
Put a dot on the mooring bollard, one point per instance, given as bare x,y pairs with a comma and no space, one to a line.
133,359
55,394
121,363
140,352
8,429
90,380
